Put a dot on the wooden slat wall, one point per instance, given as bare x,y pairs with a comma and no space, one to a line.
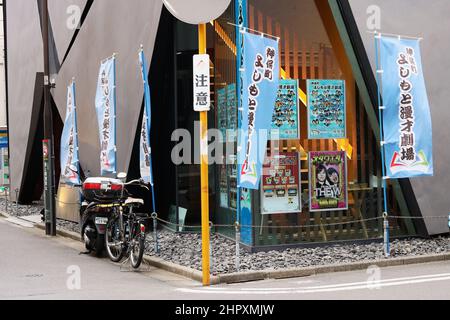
303,61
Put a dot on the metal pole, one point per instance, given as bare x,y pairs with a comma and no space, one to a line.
204,171
380,116
387,250
238,240
155,231
49,174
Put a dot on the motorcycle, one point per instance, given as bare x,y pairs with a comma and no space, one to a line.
107,218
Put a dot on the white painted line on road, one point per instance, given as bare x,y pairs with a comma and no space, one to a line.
356,283
343,287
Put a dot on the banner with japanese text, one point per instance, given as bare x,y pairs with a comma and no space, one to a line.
145,154
69,141
328,181
105,106
406,117
260,82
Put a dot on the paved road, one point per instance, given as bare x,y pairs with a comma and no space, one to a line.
33,266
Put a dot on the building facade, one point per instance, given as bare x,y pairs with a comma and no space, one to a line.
319,39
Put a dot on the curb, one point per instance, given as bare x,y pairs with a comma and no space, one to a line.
239,277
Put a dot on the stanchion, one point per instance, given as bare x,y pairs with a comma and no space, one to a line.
238,240
387,250
17,199
155,230
211,263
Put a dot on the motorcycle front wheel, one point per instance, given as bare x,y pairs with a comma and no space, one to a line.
114,244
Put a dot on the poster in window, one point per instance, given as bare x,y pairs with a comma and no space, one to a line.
223,186
326,109
231,113
232,178
328,181
280,184
222,112
285,121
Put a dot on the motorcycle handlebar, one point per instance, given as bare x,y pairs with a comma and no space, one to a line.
140,182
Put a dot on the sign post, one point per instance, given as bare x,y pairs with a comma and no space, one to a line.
202,105
205,11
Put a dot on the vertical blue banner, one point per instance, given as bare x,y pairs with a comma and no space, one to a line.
69,141
244,198
260,82
105,105
406,117
145,155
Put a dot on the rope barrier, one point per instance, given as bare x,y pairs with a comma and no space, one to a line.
304,226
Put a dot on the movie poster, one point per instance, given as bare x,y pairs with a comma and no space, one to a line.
328,181
280,184
222,113
285,121
326,109
231,113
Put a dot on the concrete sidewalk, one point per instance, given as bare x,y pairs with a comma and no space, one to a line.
256,275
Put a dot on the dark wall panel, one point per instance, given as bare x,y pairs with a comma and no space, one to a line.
25,59
427,19
111,26
62,14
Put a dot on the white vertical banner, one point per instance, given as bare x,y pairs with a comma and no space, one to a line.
202,93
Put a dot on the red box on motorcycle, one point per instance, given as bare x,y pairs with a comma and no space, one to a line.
102,189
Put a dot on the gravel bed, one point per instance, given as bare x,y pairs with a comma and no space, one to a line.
21,210
185,250
35,209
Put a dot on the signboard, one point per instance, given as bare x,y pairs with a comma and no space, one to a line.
231,113
326,109
202,93
105,105
223,185
197,11
3,139
145,150
280,184
69,141
232,176
260,82
327,181
406,117
222,113
285,122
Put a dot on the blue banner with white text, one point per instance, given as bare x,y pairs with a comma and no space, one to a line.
406,117
145,149
69,141
260,83
105,105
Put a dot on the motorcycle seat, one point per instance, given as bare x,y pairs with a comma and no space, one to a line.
134,202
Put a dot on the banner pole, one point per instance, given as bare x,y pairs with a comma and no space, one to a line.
380,116
204,172
241,21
